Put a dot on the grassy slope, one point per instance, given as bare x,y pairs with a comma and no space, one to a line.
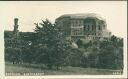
65,70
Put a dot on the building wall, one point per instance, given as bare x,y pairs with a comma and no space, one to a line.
64,24
83,28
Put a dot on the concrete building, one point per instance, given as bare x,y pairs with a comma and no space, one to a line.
88,26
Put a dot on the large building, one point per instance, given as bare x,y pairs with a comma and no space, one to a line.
88,26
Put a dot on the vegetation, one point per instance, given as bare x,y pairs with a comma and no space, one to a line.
48,46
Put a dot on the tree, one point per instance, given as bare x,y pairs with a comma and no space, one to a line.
106,57
75,58
51,43
111,53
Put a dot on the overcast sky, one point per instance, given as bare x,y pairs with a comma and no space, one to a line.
32,12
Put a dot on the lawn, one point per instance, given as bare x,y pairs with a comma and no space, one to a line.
17,68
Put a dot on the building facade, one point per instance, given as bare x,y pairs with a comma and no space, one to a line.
83,26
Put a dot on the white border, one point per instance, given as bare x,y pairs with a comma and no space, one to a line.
2,66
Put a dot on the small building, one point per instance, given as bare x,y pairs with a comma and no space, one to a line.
88,26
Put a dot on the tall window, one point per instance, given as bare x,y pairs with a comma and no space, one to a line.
100,28
92,27
88,28
85,27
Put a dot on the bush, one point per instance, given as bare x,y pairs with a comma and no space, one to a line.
13,55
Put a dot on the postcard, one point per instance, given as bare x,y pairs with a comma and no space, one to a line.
63,39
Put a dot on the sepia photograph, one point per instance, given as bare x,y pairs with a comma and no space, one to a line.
57,38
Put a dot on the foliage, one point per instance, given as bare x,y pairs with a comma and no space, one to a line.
14,55
74,57
52,44
111,53
47,45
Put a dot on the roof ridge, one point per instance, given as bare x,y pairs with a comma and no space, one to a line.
83,15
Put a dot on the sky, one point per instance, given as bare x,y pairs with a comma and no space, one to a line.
115,13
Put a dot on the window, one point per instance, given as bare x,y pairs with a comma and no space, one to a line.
75,23
88,28
81,23
92,27
77,31
72,23
99,27
85,27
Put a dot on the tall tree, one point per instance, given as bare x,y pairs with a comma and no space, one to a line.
52,45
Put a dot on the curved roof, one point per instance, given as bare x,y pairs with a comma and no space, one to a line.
82,16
